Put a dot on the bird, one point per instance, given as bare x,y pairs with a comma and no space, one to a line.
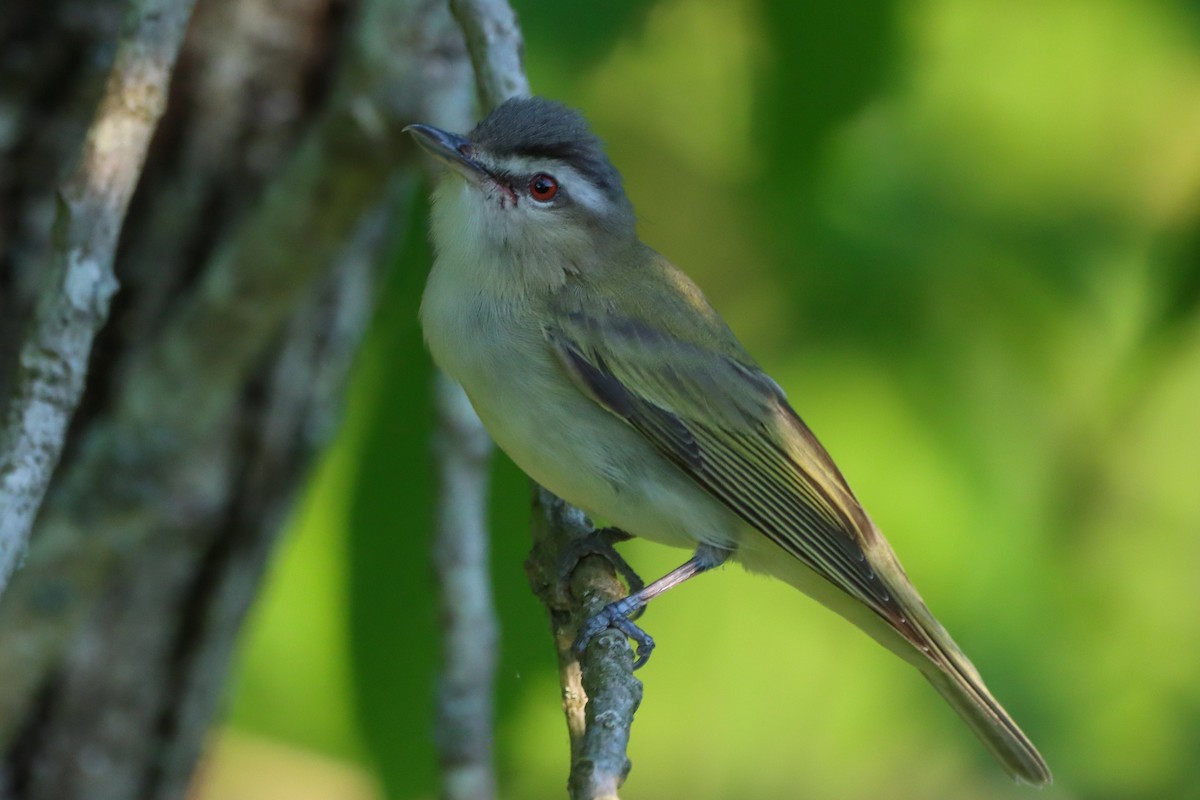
605,374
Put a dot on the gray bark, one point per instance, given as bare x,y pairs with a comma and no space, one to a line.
599,692
247,262
468,616
74,299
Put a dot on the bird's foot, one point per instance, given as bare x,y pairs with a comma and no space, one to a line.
619,615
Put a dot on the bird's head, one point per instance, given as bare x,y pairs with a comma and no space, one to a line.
530,184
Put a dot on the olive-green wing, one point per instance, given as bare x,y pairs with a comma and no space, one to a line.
728,426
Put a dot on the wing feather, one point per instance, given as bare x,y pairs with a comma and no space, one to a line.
746,446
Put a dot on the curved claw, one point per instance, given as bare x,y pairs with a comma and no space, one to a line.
617,615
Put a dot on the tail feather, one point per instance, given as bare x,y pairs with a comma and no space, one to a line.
954,676
917,637
958,682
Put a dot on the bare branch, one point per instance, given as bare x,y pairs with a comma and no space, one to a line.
600,695
469,627
496,47
53,360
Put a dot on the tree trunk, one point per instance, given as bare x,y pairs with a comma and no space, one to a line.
246,266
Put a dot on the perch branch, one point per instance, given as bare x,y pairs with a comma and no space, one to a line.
600,694
53,360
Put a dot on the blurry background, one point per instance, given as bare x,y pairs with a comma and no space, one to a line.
965,237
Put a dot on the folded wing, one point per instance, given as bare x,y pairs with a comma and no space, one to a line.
729,427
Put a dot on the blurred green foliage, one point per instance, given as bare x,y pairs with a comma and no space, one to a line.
965,237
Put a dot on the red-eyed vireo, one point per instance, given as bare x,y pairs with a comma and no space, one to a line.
603,372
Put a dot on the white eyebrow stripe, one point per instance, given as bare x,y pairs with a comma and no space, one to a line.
577,186
580,189
527,165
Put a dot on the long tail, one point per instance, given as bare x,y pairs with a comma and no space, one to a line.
912,632
957,681
929,647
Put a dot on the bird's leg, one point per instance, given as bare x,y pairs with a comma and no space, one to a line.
599,542
618,615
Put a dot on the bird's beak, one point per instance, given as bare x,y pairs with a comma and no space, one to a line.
451,149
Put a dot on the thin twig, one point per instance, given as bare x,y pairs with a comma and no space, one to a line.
470,630
53,360
469,627
468,616
496,47
600,694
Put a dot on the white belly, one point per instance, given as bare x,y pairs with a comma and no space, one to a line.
558,436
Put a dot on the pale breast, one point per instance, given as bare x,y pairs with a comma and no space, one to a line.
554,433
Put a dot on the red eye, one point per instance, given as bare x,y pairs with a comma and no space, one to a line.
543,187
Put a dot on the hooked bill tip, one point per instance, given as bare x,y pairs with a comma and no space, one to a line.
453,150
